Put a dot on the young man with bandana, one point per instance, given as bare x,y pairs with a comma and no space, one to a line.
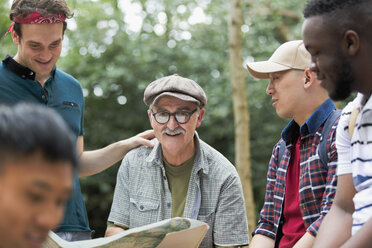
37,30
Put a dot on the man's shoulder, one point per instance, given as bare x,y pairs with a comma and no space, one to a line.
214,159
140,153
355,103
61,75
331,123
347,110
6,73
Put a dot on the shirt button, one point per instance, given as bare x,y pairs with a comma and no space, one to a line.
141,207
165,178
168,205
43,97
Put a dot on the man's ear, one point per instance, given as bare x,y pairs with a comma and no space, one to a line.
351,42
15,37
200,117
150,117
309,78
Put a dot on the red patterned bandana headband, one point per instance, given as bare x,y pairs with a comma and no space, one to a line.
36,18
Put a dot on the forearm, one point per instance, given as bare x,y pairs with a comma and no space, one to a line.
113,229
93,162
261,241
363,238
335,228
306,241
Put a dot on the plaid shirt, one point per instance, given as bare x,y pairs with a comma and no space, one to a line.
214,196
317,182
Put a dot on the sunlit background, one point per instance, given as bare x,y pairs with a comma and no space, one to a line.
115,48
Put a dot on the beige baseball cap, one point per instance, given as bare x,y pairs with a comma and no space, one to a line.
290,55
175,86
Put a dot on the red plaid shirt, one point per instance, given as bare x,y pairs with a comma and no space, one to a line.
317,181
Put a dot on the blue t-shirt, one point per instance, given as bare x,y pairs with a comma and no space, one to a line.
62,93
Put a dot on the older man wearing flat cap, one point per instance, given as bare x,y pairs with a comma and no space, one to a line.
181,176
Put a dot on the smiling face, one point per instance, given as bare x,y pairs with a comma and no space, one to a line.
332,67
39,48
176,146
33,193
285,89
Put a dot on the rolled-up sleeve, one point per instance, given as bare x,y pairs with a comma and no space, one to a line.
120,206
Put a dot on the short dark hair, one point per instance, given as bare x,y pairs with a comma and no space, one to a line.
347,14
21,8
26,129
321,7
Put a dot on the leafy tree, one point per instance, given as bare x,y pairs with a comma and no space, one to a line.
241,111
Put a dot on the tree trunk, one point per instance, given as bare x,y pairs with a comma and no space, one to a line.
241,111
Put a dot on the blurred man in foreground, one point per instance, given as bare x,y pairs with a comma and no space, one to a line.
37,162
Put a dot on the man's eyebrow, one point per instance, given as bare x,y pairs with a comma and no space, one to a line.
33,42
42,185
46,186
160,109
184,108
56,41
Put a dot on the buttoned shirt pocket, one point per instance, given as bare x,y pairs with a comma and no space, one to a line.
72,113
207,216
143,211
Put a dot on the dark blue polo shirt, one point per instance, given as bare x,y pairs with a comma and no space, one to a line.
62,93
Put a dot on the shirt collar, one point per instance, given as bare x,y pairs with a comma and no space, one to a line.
361,104
20,70
155,155
312,124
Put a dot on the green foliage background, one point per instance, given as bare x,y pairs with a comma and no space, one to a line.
112,62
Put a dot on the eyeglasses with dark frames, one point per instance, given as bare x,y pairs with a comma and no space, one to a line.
181,117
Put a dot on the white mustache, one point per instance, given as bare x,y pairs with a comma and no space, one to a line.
177,130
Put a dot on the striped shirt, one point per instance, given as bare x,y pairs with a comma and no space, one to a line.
355,157
317,182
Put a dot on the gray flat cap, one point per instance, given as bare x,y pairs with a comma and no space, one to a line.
176,86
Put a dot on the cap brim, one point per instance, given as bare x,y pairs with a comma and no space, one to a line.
181,96
262,69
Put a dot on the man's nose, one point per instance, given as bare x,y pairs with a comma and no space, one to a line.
49,218
269,89
172,123
45,55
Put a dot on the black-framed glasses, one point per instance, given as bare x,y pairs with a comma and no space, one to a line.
181,117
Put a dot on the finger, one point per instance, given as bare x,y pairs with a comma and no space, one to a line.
148,134
146,142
